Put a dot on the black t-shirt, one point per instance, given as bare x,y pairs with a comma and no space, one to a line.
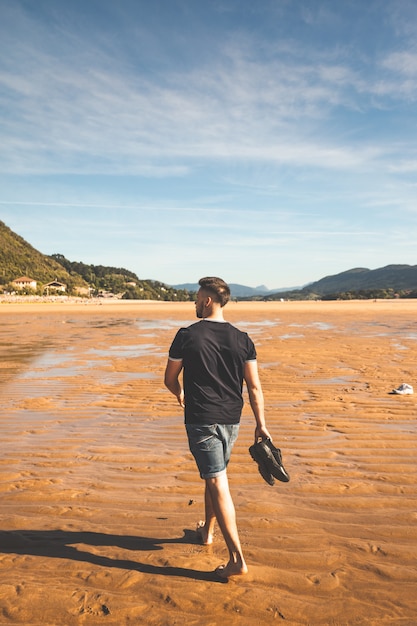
213,356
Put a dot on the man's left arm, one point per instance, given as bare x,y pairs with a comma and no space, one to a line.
256,399
171,380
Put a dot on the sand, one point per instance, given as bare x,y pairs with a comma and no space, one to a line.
100,496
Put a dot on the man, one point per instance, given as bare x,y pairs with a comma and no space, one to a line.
215,358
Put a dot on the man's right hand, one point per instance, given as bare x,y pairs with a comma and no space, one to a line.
261,432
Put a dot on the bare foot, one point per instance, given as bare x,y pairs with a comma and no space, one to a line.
205,537
231,569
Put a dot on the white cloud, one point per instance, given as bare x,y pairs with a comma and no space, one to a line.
102,116
404,166
404,62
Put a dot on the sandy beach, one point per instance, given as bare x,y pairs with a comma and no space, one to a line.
100,496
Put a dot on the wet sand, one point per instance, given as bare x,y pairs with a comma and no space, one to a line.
100,496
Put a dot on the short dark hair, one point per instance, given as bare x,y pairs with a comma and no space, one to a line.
217,288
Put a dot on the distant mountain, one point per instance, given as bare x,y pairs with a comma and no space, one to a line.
238,291
396,277
390,279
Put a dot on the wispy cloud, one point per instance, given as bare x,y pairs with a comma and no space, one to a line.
402,62
102,116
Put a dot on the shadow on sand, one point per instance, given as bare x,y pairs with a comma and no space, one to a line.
62,544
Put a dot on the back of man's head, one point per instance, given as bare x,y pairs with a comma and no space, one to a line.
217,288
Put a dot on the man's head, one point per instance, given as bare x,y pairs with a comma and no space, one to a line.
213,292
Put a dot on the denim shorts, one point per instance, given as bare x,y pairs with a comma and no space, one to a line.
211,446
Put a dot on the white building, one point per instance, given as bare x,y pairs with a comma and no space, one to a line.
24,282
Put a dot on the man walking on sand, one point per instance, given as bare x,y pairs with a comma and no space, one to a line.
215,358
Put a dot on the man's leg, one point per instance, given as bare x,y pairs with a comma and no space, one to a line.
206,528
224,510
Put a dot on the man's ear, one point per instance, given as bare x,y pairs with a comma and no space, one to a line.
208,302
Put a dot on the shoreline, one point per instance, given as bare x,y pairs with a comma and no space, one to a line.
50,302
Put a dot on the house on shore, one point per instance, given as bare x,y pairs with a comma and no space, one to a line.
55,286
24,282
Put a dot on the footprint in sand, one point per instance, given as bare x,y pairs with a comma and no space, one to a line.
326,581
89,604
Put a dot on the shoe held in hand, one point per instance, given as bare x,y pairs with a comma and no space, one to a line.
269,460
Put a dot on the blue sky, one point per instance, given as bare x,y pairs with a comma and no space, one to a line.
268,143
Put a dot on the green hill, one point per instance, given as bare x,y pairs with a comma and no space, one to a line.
359,282
396,277
18,258
117,280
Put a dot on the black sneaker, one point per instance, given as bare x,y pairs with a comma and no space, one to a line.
259,457
270,459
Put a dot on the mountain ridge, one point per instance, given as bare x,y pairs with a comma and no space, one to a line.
239,291
18,258
394,277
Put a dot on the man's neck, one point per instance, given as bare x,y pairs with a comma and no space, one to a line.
216,315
